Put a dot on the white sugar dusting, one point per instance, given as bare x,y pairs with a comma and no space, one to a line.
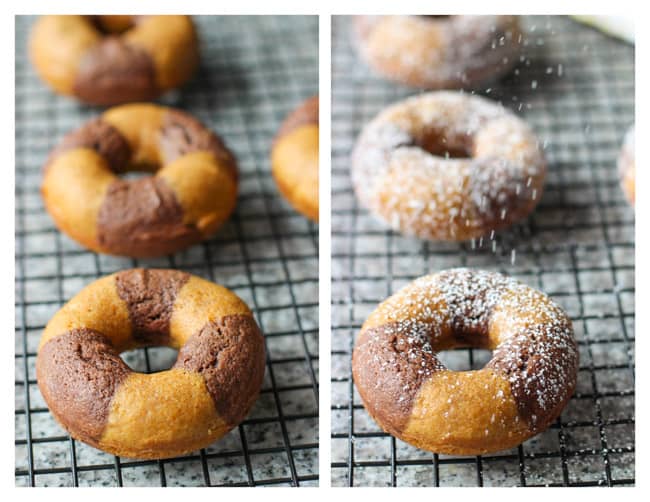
476,49
433,197
536,350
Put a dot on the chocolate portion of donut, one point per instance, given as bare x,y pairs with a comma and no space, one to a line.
110,25
142,218
115,71
100,136
500,192
395,360
149,296
541,366
305,114
78,373
181,134
470,298
229,354
540,363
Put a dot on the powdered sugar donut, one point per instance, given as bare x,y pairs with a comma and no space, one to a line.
439,52
448,166
627,165
519,393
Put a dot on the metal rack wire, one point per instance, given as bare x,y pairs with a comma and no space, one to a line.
254,70
575,86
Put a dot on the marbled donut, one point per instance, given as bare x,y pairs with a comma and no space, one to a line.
94,395
439,52
448,166
191,194
414,397
110,60
294,158
627,166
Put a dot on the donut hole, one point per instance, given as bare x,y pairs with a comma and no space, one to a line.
438,143
151,359
113,24
465,359
136,174
133,171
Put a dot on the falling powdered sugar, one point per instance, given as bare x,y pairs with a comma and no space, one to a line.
435,53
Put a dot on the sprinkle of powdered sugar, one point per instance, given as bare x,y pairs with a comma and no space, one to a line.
536,350
472,49
433,197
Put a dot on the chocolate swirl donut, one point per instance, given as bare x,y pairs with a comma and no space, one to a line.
412,395
101,401
110,60
191,194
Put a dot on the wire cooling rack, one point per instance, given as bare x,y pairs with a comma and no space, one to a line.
254,70
575,87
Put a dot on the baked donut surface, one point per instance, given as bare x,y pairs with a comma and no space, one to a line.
448,166
519,393
294,158
101,401
627,166
109,60
190,195
439,52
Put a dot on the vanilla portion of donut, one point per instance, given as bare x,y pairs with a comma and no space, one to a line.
531,337
437,197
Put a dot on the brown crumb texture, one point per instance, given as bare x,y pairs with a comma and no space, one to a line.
99,136
78,373
114,72
181,134
143,218
229,354
149,295
390,364
538,355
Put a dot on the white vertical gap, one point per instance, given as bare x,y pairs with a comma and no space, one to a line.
324,249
